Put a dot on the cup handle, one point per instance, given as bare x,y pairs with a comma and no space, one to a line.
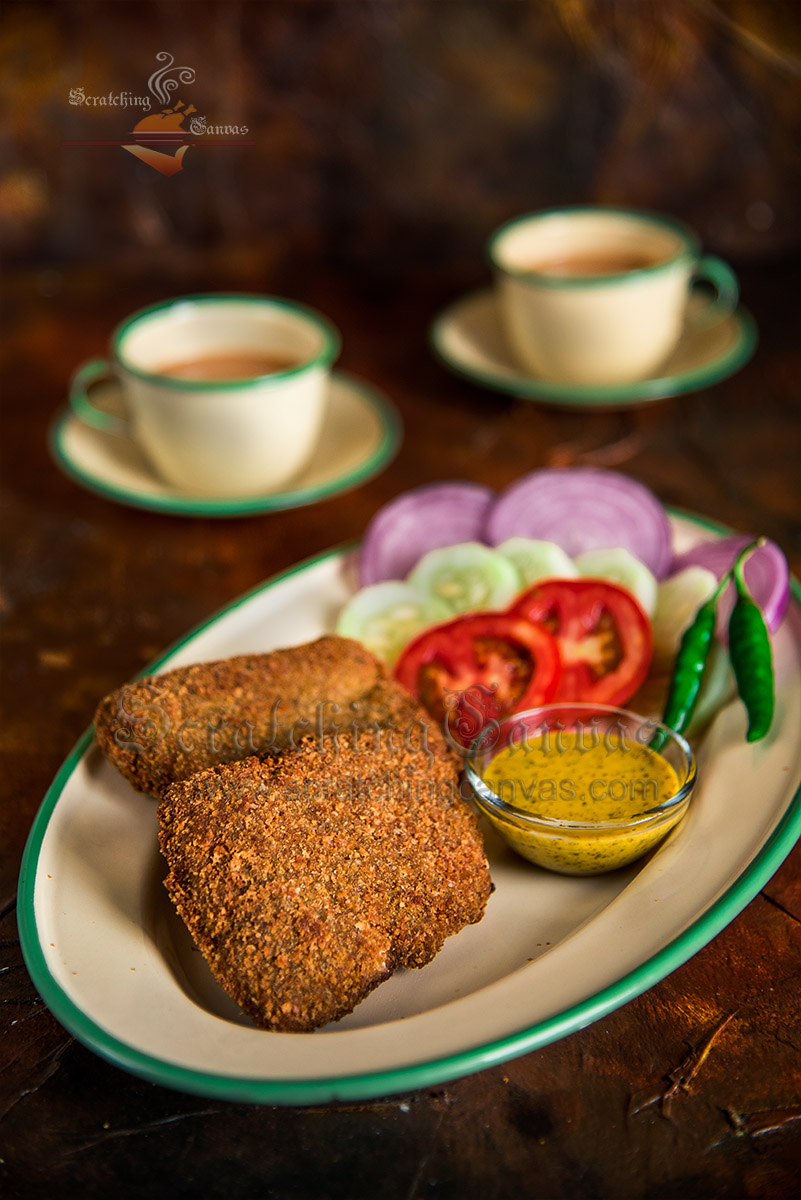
88,374
715,271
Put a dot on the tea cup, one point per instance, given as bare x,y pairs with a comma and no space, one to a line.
224,394
599,296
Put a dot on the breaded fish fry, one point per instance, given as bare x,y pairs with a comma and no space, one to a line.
306,879
163,728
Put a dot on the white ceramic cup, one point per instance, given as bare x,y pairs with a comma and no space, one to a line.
235,437
595,328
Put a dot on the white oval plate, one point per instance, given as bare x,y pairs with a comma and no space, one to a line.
552,954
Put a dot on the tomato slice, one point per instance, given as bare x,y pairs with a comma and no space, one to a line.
605,639
479,667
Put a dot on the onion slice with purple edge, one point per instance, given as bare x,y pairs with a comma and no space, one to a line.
581,509
423,519
766,574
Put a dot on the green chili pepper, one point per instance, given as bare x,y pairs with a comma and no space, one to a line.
693,655
691,660
751,658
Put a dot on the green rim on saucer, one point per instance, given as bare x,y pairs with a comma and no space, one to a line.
160,497
507,377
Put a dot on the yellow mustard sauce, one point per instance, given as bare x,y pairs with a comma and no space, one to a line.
567,776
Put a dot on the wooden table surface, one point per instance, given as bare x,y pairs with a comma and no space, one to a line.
691,1090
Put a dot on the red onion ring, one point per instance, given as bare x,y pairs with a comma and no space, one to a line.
584,508
438,514
766,574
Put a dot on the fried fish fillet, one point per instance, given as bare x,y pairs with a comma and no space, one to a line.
163,728
307,878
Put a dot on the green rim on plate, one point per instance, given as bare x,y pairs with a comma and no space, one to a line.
415,1075
198,506
608,395
329,349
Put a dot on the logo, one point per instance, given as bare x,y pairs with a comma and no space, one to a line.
471,714
160,138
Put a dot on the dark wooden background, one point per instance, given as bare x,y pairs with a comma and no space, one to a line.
389,139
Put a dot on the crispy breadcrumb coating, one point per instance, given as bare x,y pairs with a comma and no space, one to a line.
163,728
307,878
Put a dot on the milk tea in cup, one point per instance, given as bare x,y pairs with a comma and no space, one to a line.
598,296
225,394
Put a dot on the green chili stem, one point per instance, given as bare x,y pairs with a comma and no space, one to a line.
738,566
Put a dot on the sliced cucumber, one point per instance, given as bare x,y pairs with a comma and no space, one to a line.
467,577
677,601
386,616
621,567
536,560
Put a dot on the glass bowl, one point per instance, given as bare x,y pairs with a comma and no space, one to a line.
581,788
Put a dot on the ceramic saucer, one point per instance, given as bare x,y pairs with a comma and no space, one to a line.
468,338
362,432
